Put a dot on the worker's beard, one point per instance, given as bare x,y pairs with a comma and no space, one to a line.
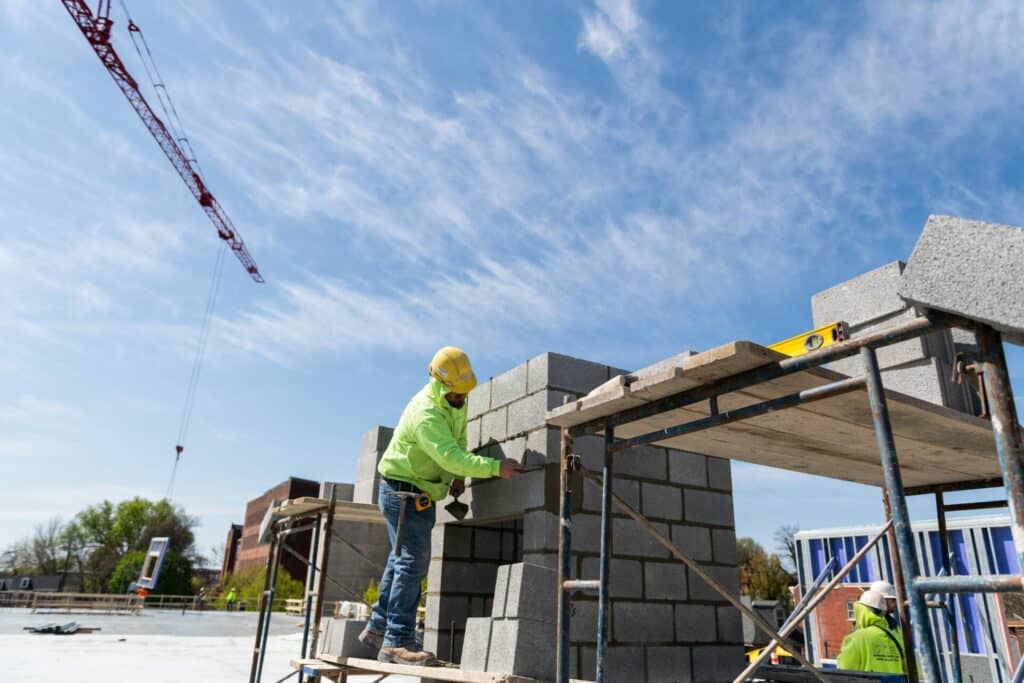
455,402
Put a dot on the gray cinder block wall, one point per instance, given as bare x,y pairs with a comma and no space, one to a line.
920,367
665,624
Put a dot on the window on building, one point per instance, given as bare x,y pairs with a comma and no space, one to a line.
849,610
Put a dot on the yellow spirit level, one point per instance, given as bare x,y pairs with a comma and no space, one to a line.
830,334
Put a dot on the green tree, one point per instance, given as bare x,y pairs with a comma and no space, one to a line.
175,574
249,583
762,576
91,546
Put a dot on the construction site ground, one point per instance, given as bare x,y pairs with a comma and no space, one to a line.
158,647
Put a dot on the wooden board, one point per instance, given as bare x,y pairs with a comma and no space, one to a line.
437,673
833,437
343,510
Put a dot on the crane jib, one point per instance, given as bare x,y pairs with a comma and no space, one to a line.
96,30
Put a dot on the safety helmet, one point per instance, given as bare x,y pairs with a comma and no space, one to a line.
450,366
885,588
873,599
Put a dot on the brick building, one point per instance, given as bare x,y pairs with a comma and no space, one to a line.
251,553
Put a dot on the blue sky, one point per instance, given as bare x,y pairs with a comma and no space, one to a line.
617,181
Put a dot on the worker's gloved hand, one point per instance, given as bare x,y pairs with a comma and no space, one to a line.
510,469
457,488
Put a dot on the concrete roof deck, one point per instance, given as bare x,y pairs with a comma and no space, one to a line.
833,437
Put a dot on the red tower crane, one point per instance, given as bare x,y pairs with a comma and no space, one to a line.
96,30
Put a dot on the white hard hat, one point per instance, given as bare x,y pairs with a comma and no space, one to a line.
885,588
872,599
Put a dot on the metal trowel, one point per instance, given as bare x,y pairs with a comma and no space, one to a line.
457,509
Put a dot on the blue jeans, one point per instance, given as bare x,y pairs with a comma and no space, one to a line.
394,614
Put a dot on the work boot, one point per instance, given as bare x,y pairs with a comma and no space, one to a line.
371,639
410,656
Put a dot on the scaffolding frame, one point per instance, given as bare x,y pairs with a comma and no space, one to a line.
911,587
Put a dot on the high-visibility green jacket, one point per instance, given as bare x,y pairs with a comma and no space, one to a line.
872,646
428,448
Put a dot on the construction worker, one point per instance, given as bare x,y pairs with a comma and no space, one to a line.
891,613
229,602
425,461
872,646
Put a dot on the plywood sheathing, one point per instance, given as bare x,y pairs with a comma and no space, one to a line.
833,437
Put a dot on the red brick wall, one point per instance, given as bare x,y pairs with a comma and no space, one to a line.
251,553
832,621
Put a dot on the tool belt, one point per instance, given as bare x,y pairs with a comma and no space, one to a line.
420,502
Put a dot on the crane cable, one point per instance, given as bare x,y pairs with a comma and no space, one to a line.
197,364
166,103
177,129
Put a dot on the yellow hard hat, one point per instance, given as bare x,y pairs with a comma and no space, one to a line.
450,366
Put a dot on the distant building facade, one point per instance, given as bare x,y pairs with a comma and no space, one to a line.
244,550
979,545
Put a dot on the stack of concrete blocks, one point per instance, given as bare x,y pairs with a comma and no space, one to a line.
522,625
972,269
920,367
665,624
353,570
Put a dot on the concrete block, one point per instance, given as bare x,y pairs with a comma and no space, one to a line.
664,581
508,386
927,380
510,449
543,445
862,299
647,462
690,469
444,609
669,664
527,413
459,576
642,622
500,592
591,451
629,538
972,269
486,544
660,501
532,593
720,474
473,435
624,663
341,639
565,372
717,662
729,577
583,621
695,623
479,400
586,533
495,500
458,541
540,531
494,426
628,489
476,644
625,579
723,543
549,560
730,625
708,507
372,447
516,644
693,541
341,491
